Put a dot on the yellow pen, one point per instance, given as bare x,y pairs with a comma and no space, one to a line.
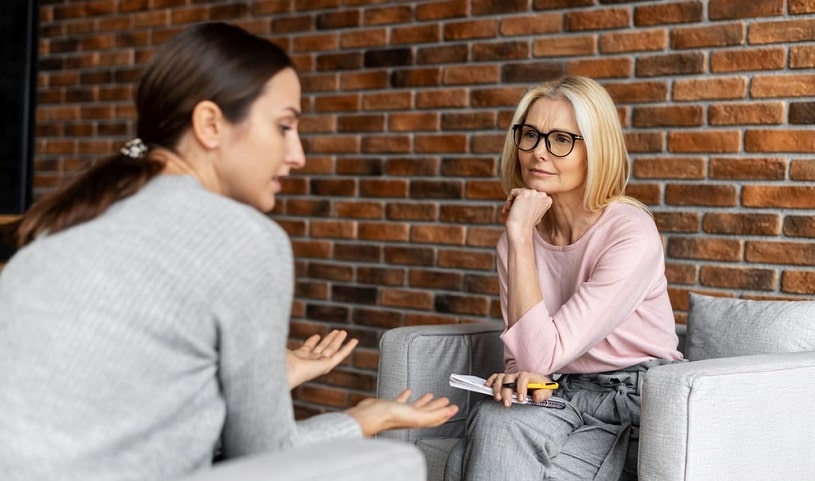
534,385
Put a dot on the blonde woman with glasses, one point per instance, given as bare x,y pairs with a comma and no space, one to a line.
583,295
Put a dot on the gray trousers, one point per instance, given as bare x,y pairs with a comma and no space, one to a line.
593,438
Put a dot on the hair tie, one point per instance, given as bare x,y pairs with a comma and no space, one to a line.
134,149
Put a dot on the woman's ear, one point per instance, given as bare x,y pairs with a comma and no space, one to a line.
207,124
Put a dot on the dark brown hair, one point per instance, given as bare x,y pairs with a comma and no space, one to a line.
209,61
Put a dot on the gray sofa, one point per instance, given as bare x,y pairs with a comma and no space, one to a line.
346,460
742,409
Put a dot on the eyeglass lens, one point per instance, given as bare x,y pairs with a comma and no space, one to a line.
557,142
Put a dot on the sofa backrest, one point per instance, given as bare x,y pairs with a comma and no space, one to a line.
725,327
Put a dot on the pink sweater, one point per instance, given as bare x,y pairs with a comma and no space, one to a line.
605,300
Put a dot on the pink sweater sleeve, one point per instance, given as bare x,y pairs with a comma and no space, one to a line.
605,302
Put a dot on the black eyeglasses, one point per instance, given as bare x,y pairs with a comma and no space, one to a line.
558,142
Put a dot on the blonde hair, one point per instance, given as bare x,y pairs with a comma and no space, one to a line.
599,124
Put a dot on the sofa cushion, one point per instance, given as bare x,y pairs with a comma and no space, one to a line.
724,327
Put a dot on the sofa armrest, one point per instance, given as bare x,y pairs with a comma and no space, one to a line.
340,460
421,358
747,417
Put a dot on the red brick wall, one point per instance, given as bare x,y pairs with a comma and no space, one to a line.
395,217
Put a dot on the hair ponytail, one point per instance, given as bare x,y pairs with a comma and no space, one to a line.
87,196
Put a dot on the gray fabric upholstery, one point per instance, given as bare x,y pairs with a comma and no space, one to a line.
736,416
723,327
745,418
422,358
346,460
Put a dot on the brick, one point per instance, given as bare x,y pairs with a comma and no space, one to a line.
710,89
359,166
418,319
378,318
387,15
532,24
729,9
558,4
445,98
442,55
716,249
747,168
742,224
802,113
677,221
361,38
500,51
719,35
345,18
486,143
483,236
391,57
430,33
422,77
357,252
413,121
338,103
601,19
322,395
333,272
802,170
670,13
531,73
491,7
798,282
671,64
412,166
782,86
798,7
471,74
339,61
484,190
677,273
670,168
360,210
739,278
635,92
802,57
437,234
468,214
786,196
565,46
407,299
673,115
466,259
602,68
360,123
467,121
384,231
441,143
469,167
333,229
377,79
715,195
773,252
636,41
412,211
442,10
782,31
761,140
754,113
386,188
799,226
435,279
435,189
422,256
481,284
391,144
642,142
382,276
332,187
712,141
462,304
740,60
471,29
387,101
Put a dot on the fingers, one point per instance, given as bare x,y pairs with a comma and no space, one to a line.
403,396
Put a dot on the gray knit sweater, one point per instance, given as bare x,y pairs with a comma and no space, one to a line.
133,344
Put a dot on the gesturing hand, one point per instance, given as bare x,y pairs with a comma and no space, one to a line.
317,356
377,415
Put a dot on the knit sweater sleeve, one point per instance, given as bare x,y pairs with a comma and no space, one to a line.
252,317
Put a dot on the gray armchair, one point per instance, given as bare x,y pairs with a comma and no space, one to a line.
740,410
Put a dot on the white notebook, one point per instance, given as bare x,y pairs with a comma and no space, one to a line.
476,384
